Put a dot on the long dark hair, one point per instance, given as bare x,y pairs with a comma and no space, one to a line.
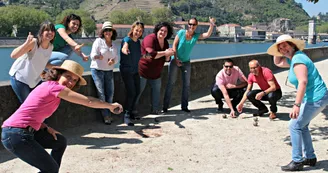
45,26
164,24
67,19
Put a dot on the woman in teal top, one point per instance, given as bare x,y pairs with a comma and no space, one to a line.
311,97
64,43
183,43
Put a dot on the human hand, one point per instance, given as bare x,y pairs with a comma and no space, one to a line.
240,107
233,114
230,86
212,20
295,112
259,96
85,57
169,52
116,108
178,62
53,132
126,51
111,62
78,47
29,38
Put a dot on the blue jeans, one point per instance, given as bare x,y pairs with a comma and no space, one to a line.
59,56
173,71
299,129
104,82
30,147
132,87
155,85
21,89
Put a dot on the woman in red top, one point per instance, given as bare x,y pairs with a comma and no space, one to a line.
155,51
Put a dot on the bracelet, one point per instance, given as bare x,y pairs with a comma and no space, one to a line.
297,104
264,92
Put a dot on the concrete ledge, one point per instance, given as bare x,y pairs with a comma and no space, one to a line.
202,77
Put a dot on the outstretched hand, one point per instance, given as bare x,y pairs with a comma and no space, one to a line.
116,108
212,20
78,47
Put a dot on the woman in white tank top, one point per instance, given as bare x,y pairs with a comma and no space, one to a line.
31,59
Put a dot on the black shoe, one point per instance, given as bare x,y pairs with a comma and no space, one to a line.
293,166
157,112
186,110
164,110
220,108
310,162
261,112
134,116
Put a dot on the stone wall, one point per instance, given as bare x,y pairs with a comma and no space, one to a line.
202,77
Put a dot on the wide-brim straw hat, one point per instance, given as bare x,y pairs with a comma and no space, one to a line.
74,68
273,50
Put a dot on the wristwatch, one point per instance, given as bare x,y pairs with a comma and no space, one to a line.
297,104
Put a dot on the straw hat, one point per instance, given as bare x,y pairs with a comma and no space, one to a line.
273,50
107,25
73,67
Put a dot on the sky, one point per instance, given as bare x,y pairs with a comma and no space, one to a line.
314,9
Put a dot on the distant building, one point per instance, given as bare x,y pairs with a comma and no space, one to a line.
273,35
230,30
280,25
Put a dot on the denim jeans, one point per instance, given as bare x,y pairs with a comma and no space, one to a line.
21,89
272,97
235,94
30,147
173,71
299,129
104,82
132,87
59,56
155,85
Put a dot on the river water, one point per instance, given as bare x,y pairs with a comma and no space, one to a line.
200,51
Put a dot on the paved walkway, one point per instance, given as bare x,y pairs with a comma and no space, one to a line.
202,141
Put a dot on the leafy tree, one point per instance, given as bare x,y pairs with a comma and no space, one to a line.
5,26
88,24
162,14
314,1
25,19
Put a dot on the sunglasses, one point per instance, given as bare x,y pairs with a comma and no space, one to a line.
228,66
140,23
108,30
192,24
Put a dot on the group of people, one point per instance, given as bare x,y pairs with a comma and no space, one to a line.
311,97
43,74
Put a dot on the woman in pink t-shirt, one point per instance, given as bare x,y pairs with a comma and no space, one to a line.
25,135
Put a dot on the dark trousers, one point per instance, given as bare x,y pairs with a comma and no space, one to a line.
30,147
132,87
235,94
272,97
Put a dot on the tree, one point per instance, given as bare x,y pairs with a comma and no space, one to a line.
314,1
161,15
88,24
25,19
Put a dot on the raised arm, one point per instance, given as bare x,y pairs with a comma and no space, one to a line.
24,48
280,61
210,29
88,101
125,48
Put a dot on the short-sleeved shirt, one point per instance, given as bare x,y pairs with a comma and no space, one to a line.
152,68
185,46
59,42
129,63
223,79
40,104
265,75
316,87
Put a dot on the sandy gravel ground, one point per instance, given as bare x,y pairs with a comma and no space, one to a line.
202,141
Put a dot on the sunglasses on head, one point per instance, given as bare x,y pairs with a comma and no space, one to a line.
108,30
139,23
192,24
228,66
